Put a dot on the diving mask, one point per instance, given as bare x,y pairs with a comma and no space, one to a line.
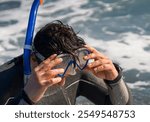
69,64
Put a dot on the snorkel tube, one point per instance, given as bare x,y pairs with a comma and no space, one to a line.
28,40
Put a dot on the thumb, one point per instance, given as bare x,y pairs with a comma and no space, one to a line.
62,83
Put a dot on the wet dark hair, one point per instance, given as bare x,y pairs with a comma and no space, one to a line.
57,38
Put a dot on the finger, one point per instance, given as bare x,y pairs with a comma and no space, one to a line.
62,83
104,67
98,62
52,73
90,56
93,50
55,80
52,81
52,56
55,62
51,64
47,61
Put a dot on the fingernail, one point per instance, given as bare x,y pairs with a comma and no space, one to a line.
60,59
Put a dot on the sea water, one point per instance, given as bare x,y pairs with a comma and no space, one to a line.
119,29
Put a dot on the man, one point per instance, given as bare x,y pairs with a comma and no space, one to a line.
63,68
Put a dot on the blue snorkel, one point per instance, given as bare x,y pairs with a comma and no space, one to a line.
29,37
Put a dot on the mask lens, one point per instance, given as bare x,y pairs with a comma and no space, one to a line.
66,64
81,53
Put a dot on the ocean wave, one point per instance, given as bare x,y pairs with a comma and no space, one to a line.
119,29
139,85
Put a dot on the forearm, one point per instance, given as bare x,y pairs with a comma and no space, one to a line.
119,93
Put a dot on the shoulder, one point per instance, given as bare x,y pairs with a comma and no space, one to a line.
11,78
12,69
11,64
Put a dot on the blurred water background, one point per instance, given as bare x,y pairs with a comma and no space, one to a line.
118,28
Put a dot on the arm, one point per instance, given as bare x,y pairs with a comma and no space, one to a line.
102,67
43,76
118,90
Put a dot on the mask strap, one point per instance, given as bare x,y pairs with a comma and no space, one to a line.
37,54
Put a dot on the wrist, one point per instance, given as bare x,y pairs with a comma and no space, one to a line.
25,97
34,89
35,93
117,77
113,74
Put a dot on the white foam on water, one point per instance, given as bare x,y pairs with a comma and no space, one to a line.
13,32
116,50
139,85
132,46
133,43
76,14
128,48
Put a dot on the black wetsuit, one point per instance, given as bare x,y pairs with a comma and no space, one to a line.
83,83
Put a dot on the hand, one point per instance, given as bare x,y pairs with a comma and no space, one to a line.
102,66
42,77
